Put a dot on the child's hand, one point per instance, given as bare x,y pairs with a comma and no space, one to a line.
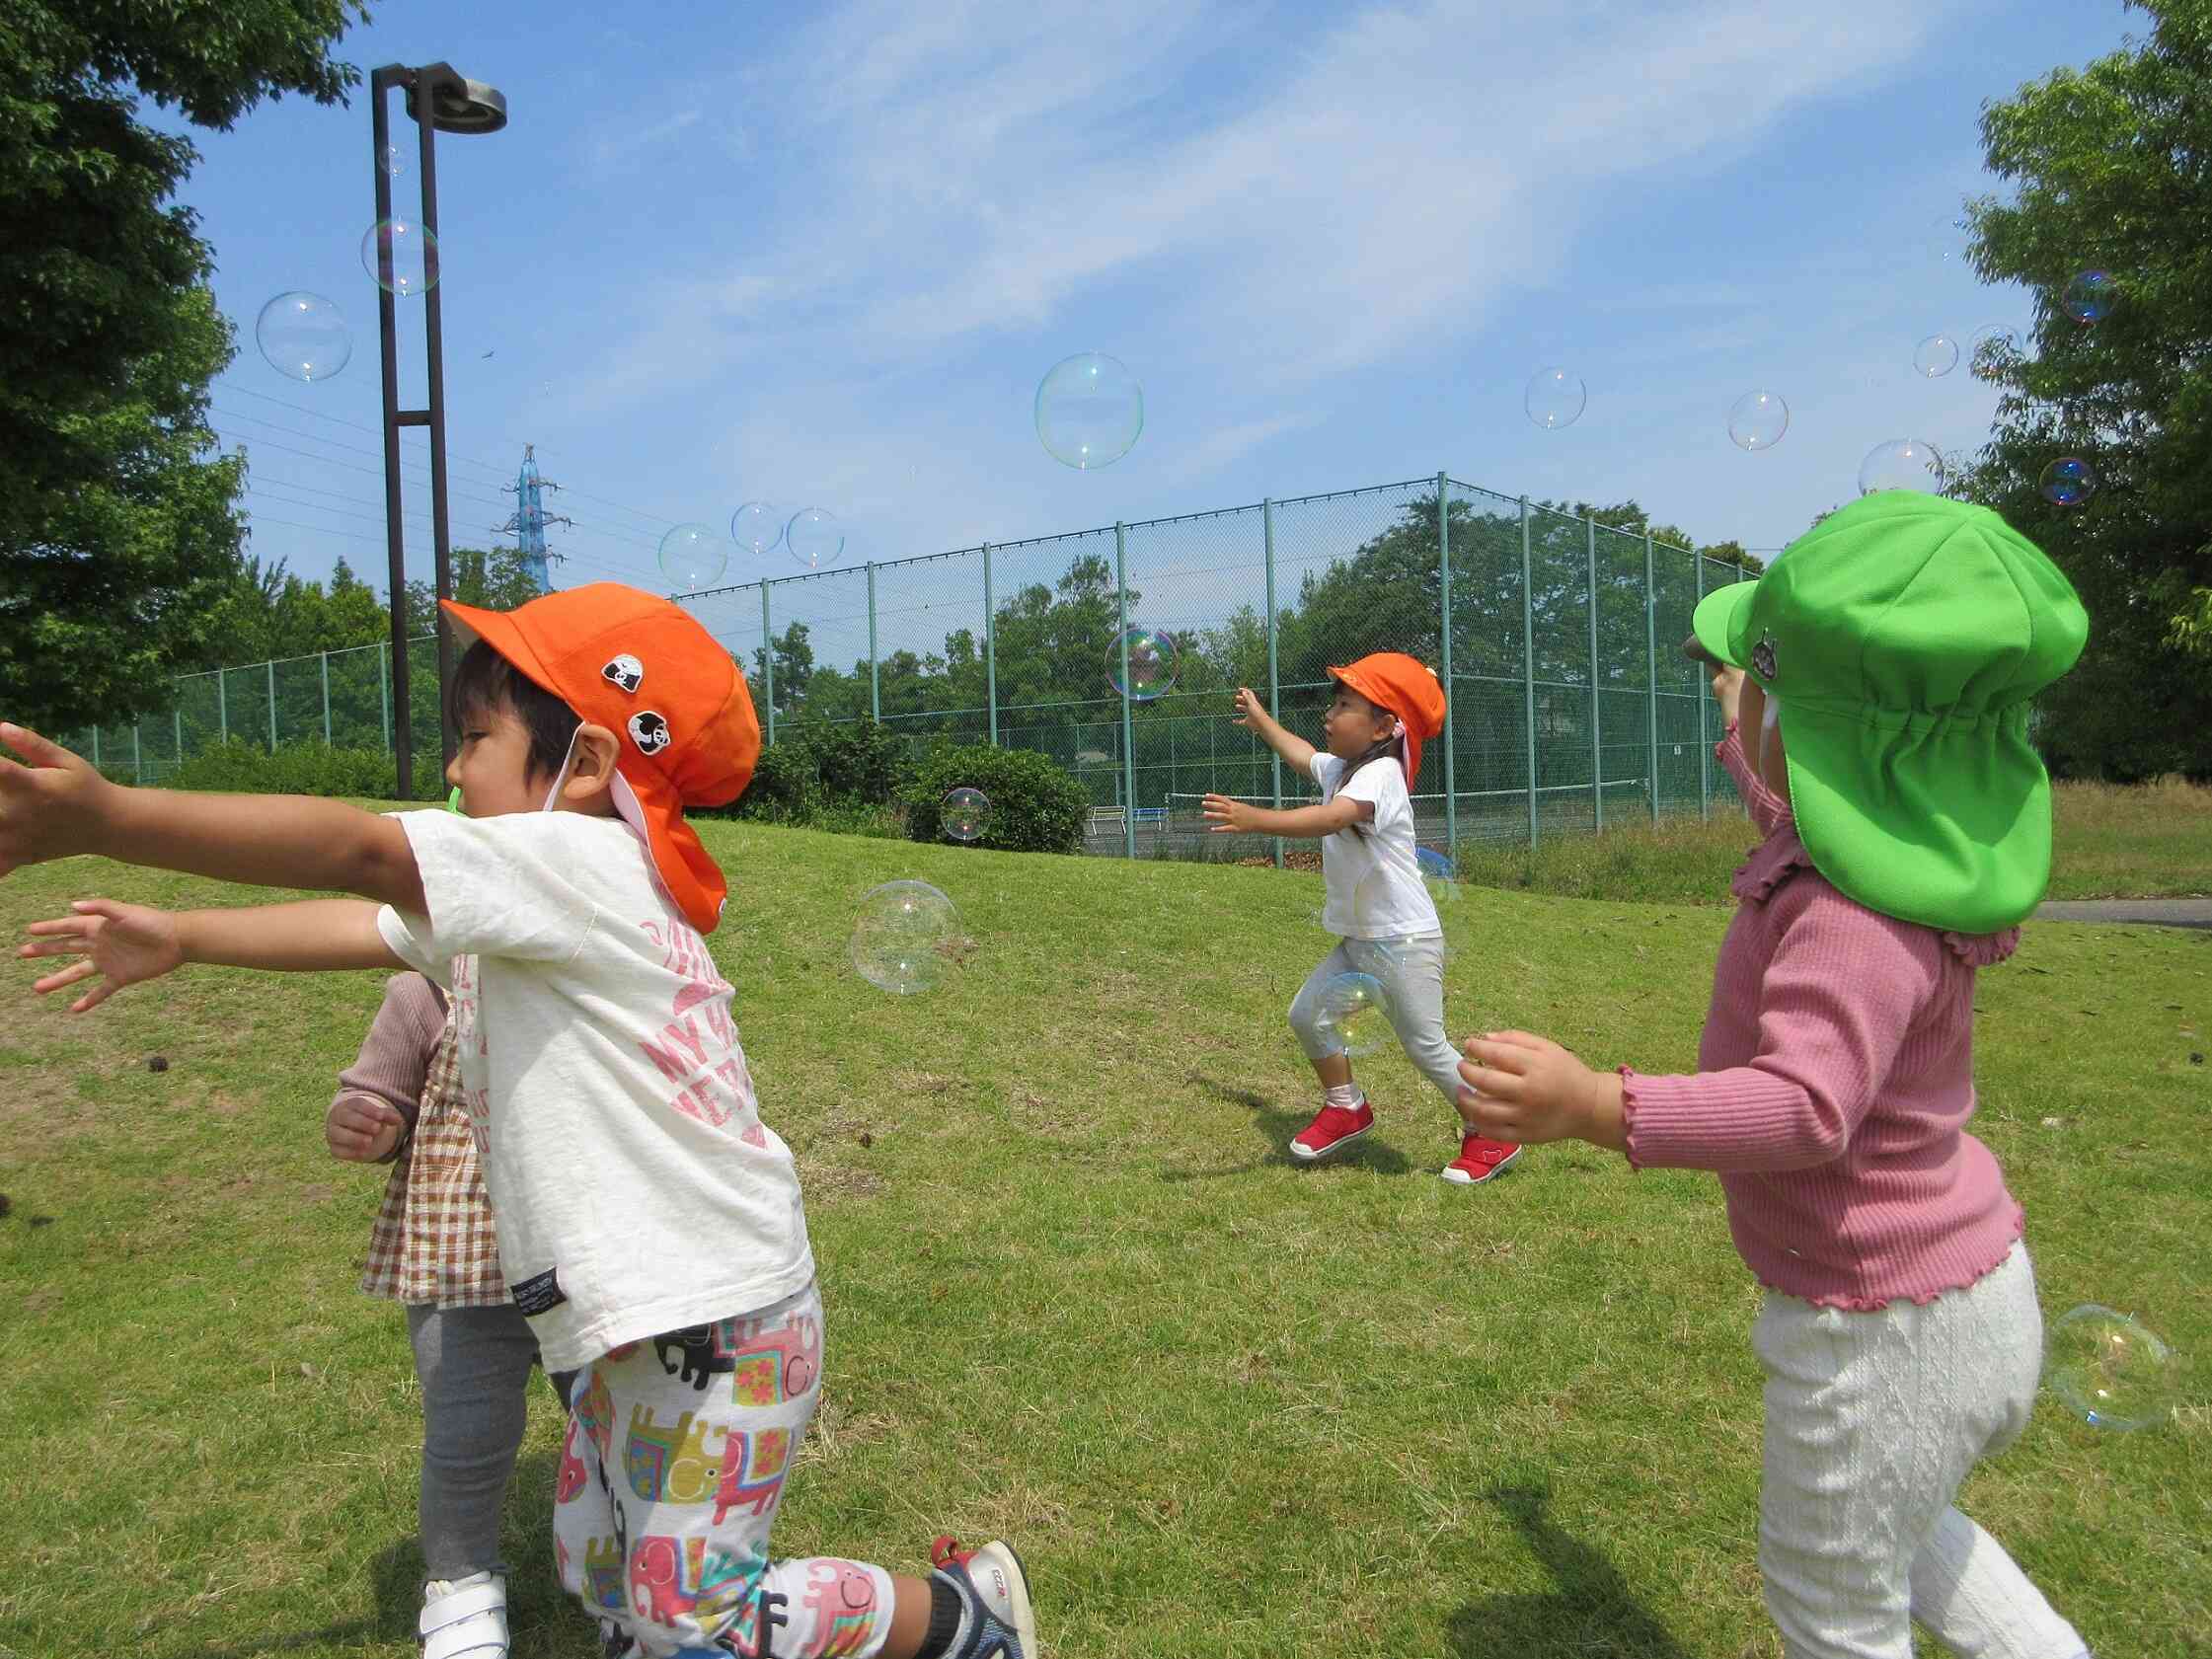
1728,689
124,942
48,807
1249,709
1518,1087
1224,815
361,1129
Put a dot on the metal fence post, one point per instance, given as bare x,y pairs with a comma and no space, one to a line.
1528,671
1598,748
1705,749
1128,725
176,714
767,660
874,680
1651,668
96,745
222,705
384,688
1444,573
326,657
990,648
137,761
1274,691
272,665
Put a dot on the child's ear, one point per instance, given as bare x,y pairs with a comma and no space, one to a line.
594,770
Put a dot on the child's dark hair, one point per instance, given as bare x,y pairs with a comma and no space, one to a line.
485,683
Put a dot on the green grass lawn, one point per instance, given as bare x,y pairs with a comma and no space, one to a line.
1077,1294
2107,841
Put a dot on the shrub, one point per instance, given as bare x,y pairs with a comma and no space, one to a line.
1036,803
827,777
242,768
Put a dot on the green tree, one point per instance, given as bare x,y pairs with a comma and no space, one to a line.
118,528
2112,171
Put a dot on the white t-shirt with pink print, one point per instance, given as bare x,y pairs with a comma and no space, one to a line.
636,1187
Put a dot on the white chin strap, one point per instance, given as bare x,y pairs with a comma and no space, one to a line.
561,778
1769,720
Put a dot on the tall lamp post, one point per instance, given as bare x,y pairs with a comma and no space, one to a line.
438,99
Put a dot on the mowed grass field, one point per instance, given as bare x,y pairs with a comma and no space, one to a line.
1078,1295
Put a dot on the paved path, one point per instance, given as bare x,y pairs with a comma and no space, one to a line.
2156,913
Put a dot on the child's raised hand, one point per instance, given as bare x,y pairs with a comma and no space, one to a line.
1247,707
1727,691
361,1129
1519,1086
1224,816
47,805
122,943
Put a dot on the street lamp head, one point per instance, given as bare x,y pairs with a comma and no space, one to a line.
457,103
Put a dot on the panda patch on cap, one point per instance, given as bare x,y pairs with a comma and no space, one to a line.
648,731
625,671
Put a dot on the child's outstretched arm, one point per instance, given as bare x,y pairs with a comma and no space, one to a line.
123,944
1226,816
56,805
1253,714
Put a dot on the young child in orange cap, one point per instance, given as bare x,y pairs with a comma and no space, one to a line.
1385,706
650,1224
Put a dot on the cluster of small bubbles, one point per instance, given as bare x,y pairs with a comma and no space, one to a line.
2110,1371
1993,345
1089,411
402,256
1351,1015
814,538
2067,481
756,526
902,937
1141,663
2090,297
1757,420
303,336
1935,355
693,557
1902,464
1554,398
965,815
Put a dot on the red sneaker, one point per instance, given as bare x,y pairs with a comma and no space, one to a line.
1478,1159
1331,1127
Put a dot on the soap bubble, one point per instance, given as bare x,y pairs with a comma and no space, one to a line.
402,256
2090,297
693,557
1938,354
814,538
901,939
1089,411
965,815
1902,464
1757,420
394,160
756,525
1151,657
1439,876
1554,398
1352,1016
2111,1372
303,336
2067,481
1992,347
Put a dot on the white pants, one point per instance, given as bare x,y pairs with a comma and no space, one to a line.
1872,1421
1411,974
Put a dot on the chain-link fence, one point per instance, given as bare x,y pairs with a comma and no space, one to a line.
1572,707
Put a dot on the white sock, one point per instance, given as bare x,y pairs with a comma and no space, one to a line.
1344,1094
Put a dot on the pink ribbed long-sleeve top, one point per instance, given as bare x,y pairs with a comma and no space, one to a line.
1834,1082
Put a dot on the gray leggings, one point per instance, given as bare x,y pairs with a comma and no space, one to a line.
1411,975
474,1364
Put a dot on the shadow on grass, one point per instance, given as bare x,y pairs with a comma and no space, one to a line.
1591,1612
540,1613
1277,1127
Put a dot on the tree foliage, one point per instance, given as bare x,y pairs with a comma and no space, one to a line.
118,529
2112,171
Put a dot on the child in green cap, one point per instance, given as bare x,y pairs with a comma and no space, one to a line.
1886,663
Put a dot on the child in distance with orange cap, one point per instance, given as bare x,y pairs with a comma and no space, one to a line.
1894,652
1385,706
651,1226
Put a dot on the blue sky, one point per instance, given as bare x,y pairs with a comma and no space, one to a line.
822,255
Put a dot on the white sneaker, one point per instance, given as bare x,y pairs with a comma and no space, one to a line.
465,1617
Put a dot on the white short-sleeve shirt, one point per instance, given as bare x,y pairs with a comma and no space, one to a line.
1374,884
637,1190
